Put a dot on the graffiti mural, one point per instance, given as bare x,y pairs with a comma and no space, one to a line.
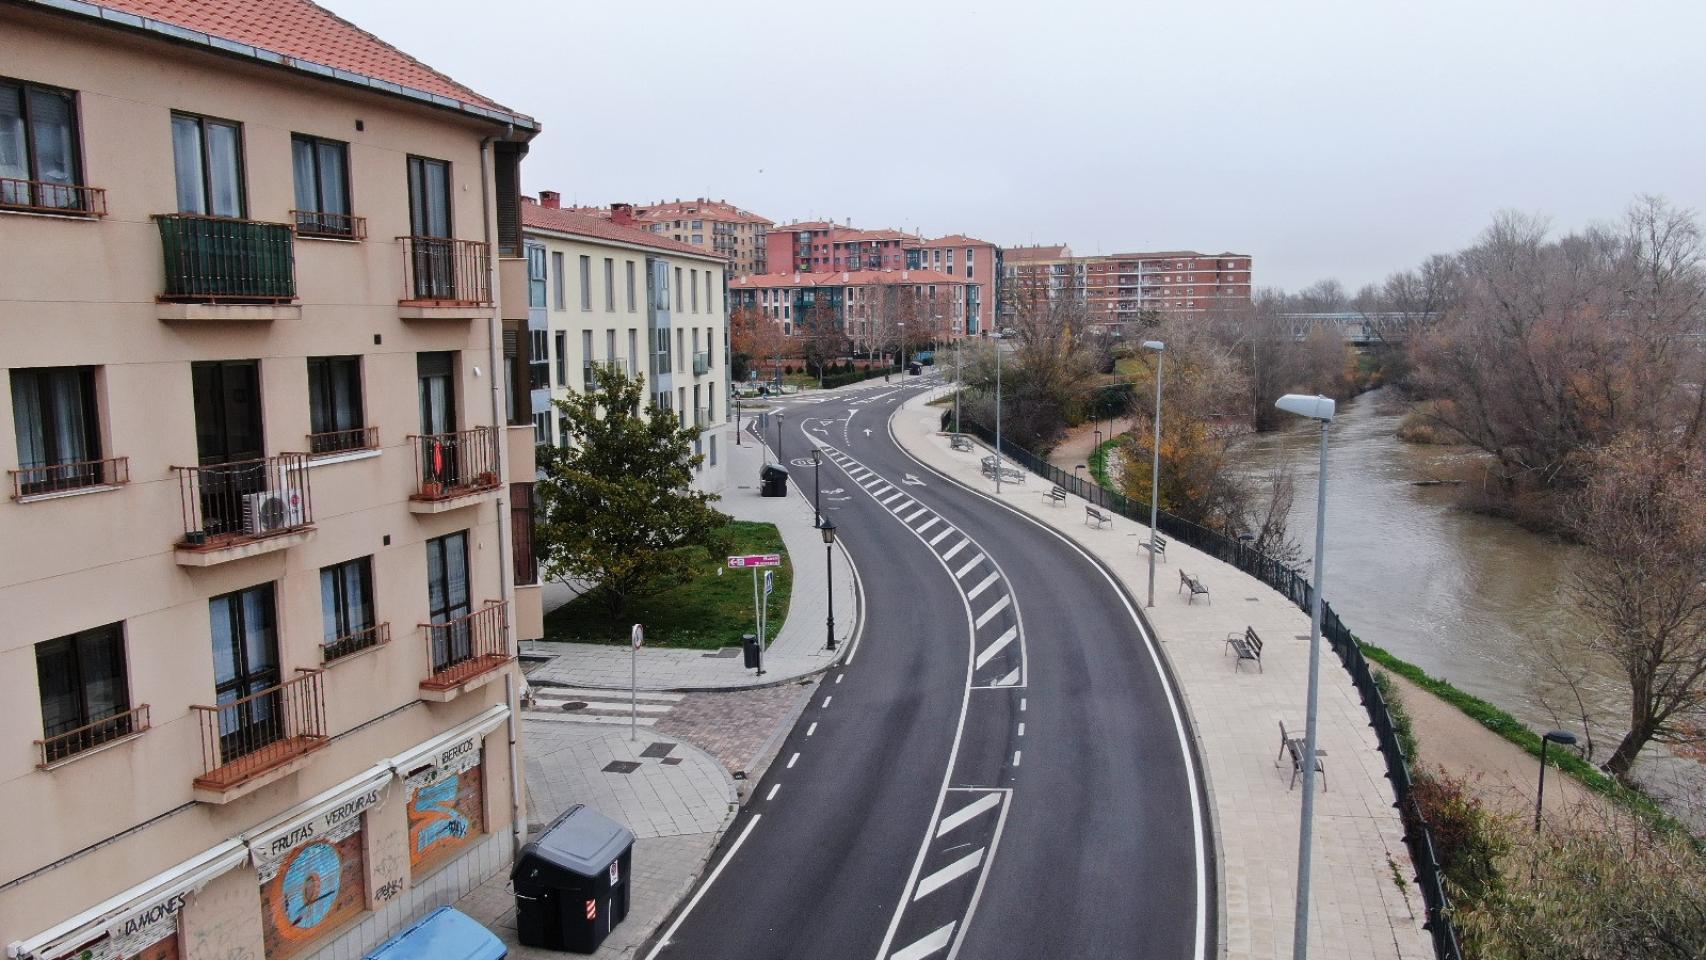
314,889
445,812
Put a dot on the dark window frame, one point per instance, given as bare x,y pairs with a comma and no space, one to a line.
71,646
258,725
352,625
323,406
202,121
31,161
89,395
417,162
317,223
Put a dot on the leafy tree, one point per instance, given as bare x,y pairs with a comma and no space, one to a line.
821,336
616,503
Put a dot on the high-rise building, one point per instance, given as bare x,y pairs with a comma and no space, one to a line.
820,246
1122,288
266,536
729,232
873,308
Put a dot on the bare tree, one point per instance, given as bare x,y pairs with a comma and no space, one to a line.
820,334
758,336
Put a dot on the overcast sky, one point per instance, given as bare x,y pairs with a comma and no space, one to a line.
1324,139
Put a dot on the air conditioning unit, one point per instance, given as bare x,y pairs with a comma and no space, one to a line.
273,510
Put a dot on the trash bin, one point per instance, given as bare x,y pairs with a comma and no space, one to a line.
774,479
749,647
444,934
571,882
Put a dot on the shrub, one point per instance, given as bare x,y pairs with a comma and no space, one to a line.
1468,839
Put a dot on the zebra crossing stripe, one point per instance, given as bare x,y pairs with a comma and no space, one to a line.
940,536
961,572
930,943
983,586
920,512
890,498
956,548
989,614
1000,643
928,524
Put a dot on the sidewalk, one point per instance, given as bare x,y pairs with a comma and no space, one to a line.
1357,911
799,648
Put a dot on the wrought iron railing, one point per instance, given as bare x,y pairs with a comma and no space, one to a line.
229,260
374,636
71,742
1296,588
343,441
46,479
250,735
454,464
442,270
39,196
229,503
467,646
336,226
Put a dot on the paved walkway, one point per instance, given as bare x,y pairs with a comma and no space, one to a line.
799,648
1358,912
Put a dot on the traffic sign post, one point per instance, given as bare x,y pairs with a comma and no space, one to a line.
639,637
757,562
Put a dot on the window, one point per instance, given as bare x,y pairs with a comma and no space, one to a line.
334,405
542,429
447,596
82,682
713,449
610,346
535,276
698,239
562,344
429,197
346,608
609,285
678,294
633,350
58,428
681,404
321,169
586,283
698,224
38,143
709,308
245,663
559,283
207,159
538,360
694,278
586,360
630,287
680,351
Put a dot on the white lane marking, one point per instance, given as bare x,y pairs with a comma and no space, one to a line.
826,700
931,943
1008,681
974,561
1021,704
989,614
959,817
890,498
772,794
982,586
920,512
682,918
948,874
796,757
868,484
956,548
1021,733
811,729
990,651
1016,755
940,536
928,524
840,677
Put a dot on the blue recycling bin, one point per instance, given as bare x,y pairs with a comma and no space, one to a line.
444,934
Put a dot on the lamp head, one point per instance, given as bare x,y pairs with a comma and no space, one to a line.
1562,737
827,528
1304,405
1155,345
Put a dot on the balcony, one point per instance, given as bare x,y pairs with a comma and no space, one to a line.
467,652
590,368
701,363
218,268
59,199
375,636
329,226
453,470
337,442
444,278
61,747
48,481
261,738
243,509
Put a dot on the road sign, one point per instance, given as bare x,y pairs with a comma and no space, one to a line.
755,560
769,582
639,636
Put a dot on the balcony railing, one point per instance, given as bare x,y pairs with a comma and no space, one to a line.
229,503
226,260
455,464
337,226
38,196
47,479
468,646
90,735
377,635
343,441
701,416
701,363
443,271
248,736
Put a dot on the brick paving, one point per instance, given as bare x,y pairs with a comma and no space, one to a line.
734,727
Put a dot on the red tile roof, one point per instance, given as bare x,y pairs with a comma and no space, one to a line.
845,278
304,31
596,227
1053,252
698,209
957,240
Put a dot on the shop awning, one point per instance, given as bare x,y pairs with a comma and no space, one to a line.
440,750
315,818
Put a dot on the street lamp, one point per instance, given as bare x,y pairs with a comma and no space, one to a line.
827,528
902,325
959,386
779,415
1563,738
1077,489
817,490
997,411
1155,463
1319,409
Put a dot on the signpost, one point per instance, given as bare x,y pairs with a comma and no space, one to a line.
639,637
760,599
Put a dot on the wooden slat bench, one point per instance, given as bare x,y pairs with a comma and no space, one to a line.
1197,587
1096,518
1247,645
1055,496
1158,547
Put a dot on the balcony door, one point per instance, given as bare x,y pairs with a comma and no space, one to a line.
447,599
228,431
439,453
432,252
245,663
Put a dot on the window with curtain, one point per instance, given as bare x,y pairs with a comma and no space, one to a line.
245,663
535,276
447,597
207,163
334,405
57,426
38,143
82,680
321,171
346,608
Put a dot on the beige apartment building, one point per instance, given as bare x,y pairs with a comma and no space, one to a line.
260,580
727,231
607,291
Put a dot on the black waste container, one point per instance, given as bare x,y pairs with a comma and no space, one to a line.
774,480
749,650
571,882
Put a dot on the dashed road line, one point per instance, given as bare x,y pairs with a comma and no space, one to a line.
772,795
796,757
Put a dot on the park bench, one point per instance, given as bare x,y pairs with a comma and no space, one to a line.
1247,645
1292,747
1158,547
1009,474
960,442
1055,495
1197,587
1096,518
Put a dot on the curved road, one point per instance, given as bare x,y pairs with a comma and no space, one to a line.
999,769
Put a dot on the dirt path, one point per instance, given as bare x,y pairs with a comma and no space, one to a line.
1080,442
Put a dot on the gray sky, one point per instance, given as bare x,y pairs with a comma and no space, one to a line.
1324,139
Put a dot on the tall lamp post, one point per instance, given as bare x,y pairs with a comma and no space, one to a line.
817,490
1563,738
1319,409
998,411
827,528
902,325
1155,463
959,386
779,415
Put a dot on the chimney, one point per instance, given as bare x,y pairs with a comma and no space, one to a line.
550,199
622,214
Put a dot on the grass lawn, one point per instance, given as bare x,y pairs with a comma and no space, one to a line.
708,609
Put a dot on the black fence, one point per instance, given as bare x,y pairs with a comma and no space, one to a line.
1228,548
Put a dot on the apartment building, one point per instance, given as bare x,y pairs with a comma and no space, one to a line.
1123,288
737,236
268,465
874,308
822,246
606,290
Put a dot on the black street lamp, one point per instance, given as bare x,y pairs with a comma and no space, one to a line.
1563,738
1075,483
817,489
827,528
779,415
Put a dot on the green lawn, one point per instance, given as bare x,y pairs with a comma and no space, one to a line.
709,609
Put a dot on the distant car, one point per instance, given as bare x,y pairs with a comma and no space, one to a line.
914,369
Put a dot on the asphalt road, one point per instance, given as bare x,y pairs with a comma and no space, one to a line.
998,770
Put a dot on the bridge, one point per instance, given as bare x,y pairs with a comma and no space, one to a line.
1355,327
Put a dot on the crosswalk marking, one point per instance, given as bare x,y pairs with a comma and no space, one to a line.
931,943
928,524
989,614
955,549
921,512
959,817
974,561
983,586
879,491
1002,641
891,498
905,504
949,874
940,536
1009,680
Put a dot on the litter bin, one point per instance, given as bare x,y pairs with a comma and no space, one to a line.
774,479
749,647
444,934
571,883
